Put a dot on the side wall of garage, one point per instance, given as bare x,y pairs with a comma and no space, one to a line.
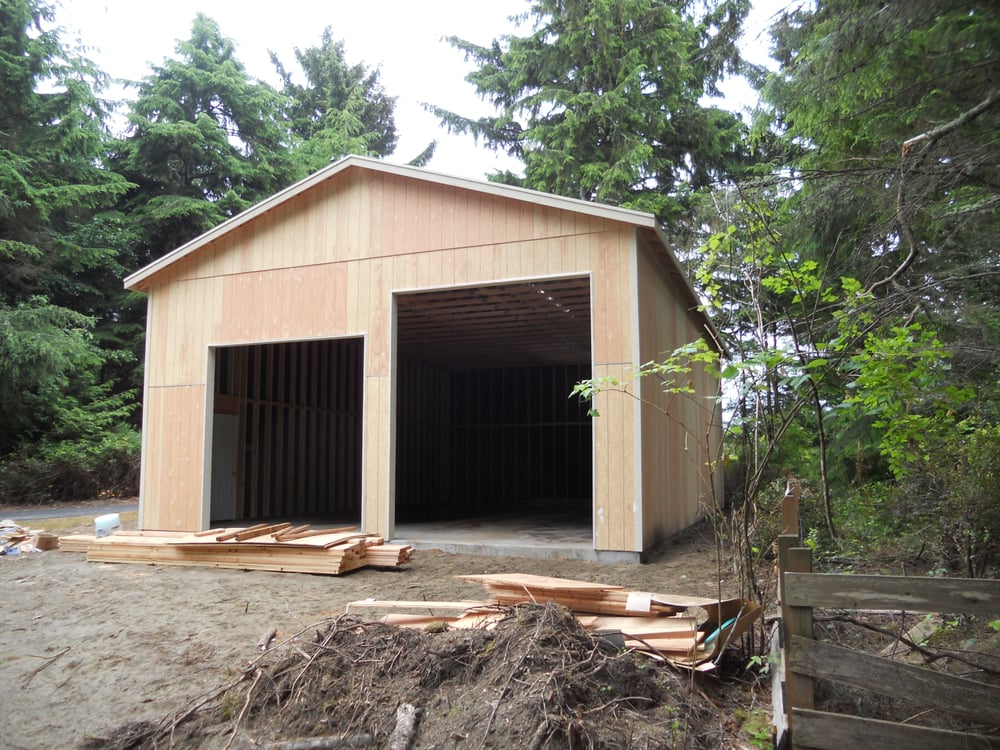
680,430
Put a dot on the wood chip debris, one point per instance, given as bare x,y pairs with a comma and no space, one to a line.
686,631
262,547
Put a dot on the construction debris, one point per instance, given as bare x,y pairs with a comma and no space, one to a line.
263,547
685,631
15,539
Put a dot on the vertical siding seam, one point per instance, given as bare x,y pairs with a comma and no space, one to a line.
638,501
144,439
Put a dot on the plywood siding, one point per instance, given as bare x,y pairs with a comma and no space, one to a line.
680,433
325,264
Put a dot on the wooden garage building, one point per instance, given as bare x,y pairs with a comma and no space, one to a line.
380,344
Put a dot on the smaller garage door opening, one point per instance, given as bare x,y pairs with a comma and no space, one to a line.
485,426
287,432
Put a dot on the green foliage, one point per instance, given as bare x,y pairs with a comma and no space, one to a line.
50,383
603,100
883,118
958,484
51,147
899,383
105,466
205,143
342,110
672,373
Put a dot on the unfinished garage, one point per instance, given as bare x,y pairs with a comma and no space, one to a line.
384,345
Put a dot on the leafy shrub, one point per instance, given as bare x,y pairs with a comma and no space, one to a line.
73,470
959,484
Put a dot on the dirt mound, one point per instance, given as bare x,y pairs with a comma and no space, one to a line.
537,680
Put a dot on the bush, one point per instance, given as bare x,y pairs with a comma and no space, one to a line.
961,483
73,470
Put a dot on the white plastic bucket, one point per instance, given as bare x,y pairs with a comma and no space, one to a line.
104,525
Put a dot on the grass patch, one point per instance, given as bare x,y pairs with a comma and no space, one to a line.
78,524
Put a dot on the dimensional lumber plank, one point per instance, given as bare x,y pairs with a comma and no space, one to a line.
688,647
318,541
75,542
522,581
292,535
826,731
400,604
647,627
275,560
974,700
254,533
236,532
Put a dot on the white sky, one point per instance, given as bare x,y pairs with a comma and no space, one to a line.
404,38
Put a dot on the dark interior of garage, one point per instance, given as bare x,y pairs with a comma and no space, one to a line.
291,415
485,425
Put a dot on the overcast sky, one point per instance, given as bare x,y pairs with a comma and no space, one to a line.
403,38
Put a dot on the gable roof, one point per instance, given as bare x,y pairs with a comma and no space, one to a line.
598,210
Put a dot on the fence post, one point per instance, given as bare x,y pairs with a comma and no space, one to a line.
796,621
790,509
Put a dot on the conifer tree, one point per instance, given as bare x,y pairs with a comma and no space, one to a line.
603,100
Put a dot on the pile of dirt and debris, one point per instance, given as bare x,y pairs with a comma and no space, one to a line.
537,679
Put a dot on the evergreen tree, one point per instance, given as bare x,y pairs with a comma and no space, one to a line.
343,108
888,114
51,146
604,99
57,260
205,142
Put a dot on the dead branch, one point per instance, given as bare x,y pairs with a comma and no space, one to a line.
930,655
323,743
406,727
48,662
964,119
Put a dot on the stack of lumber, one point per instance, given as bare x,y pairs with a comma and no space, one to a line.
579,596
273,547
688,631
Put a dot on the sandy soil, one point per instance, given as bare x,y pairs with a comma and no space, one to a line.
86,647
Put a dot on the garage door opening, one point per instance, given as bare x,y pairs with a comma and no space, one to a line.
286,438
485,427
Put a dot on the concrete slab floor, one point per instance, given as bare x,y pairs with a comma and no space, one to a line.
533,536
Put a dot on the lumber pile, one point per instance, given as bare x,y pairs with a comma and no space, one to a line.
687,631
273,547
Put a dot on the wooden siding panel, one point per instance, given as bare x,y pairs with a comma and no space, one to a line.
379,324
376,455
291,303
172,467
614,497
676,449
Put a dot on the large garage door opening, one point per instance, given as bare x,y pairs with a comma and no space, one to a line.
485,427
287,432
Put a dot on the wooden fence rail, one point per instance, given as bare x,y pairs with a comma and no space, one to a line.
804,660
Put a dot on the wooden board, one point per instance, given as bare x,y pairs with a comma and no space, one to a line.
827,731
531,582
913,593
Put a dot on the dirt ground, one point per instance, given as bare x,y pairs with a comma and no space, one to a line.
87,647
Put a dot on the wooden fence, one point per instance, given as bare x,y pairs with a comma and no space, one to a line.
804,659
